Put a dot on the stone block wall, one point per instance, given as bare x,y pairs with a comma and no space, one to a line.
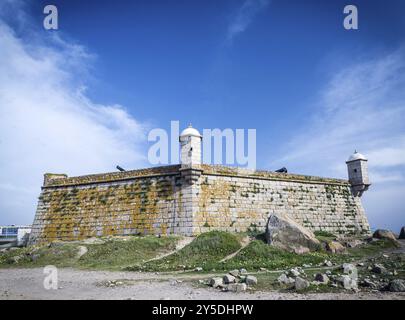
133,202
189,200
238,200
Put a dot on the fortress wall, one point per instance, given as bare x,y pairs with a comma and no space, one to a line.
233,200
190,201
143,201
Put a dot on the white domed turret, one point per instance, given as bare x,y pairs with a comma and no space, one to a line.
358,173
190,131
356,156
190,145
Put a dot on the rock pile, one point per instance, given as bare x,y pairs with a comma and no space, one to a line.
234,281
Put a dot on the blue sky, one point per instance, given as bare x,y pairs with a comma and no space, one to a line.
82,99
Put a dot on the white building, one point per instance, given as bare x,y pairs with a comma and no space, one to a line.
16,235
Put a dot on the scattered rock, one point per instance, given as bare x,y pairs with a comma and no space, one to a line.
229,278
284,279
242,271
262,269
384,234
322,278
301,284
216,282
236,287
251,280
350,270
234,273
327,263
402,233
347,282
368,283
397,285
198,269
335,247
285,233
379,268
81,251
354,243
294,272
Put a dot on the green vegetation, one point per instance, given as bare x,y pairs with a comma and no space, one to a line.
258,255
205,252
107,254
115,254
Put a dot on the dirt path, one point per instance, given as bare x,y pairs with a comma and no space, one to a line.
79,284
180,245
245,241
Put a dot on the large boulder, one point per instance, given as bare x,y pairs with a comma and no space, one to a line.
384,234
285,233
402,233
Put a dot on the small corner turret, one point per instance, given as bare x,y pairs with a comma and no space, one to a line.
358,173
190,146
190,154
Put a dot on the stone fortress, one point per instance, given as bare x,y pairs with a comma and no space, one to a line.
192,198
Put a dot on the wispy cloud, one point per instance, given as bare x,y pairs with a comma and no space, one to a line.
244,16
362,107
49,124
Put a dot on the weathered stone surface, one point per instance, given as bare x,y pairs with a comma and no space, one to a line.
234,273
81,251
335,247
322,278
216,282
284,233
402,233
284,279
301,284
384,234
350,270
162,201
294,272
347,282
397,285
251,280
237,287
354,243
229,279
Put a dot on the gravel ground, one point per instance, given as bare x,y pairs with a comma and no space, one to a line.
80,284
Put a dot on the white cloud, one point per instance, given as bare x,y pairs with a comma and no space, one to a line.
244,16
48,124
362,107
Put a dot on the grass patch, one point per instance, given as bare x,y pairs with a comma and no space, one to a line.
258,255
118,254
112,254
205,252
